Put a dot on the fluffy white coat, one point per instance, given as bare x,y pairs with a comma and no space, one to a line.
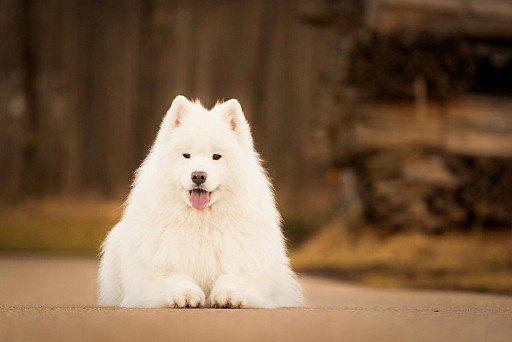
165,252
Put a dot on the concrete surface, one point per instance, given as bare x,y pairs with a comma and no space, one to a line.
52,298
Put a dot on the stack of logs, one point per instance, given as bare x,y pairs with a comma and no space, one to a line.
433,192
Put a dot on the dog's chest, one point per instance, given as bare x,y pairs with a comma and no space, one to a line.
203,254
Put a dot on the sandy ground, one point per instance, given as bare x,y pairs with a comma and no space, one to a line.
52,298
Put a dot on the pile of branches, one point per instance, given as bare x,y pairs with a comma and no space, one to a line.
434,192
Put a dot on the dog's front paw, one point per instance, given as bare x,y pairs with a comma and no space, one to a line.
229,291
187,295
230,299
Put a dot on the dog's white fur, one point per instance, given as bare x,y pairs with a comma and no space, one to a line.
164,252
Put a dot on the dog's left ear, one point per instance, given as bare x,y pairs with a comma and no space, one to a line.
232,111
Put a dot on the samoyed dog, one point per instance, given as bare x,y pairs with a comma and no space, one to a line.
200,226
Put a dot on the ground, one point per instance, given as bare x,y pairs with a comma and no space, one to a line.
52,298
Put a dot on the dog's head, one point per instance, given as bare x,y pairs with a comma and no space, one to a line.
204,150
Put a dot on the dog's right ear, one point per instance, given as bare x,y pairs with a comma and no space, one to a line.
179,107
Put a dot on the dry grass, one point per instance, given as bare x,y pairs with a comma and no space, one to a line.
57,226
452,261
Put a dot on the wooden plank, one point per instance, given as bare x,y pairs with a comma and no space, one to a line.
473,125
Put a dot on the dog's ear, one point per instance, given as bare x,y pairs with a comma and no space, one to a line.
179,108
234,114
232,111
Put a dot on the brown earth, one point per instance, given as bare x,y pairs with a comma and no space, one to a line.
52,298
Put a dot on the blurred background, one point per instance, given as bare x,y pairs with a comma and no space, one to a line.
386,125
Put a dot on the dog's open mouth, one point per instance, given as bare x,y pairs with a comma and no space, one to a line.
199,198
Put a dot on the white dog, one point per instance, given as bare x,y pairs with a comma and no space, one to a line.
200,225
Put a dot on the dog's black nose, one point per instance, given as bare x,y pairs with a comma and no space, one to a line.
198,177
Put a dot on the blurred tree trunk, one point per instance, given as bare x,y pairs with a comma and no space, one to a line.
13,97
121,63
74,43
49,97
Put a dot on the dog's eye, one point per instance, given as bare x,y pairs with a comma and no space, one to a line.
186,155
216,156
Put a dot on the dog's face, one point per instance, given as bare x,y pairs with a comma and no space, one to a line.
203,148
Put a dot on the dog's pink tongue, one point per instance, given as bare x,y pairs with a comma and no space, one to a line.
199,199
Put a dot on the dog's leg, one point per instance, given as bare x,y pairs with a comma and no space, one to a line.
109,283
235,291
109,280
